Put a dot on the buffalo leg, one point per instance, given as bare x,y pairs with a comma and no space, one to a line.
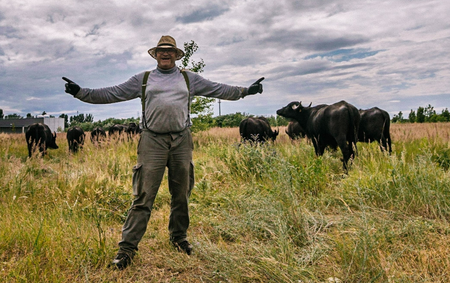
30,148
318,148
347,152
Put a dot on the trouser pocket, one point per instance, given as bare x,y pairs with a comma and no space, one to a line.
137,176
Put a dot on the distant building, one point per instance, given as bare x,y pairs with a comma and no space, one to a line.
20,125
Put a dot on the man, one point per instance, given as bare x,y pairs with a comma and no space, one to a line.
166,140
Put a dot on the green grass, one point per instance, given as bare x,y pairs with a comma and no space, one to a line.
272,213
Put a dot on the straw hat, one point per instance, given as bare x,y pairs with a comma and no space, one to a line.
166,41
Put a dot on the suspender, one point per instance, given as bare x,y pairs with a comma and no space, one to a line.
189,89
144,86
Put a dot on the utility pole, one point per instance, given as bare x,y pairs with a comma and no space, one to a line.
220,112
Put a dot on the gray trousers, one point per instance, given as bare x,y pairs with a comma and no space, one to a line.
155,153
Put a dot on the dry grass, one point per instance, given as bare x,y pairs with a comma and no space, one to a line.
409,132
273,213
399,132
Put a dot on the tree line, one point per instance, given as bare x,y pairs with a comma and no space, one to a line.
423,115
205,120
199,123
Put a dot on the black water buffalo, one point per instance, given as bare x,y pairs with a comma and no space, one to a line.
40,135
116,130
375,126
327,125
132,129
98,135
294,130
75,138
256,130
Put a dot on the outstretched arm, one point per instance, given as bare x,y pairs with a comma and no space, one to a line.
126,91
203,87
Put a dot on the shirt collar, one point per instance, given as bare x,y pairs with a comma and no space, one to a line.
169,71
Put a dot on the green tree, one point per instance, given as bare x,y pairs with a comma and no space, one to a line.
282,121
81,118
1,114
66,120
200,106
189,49
445,116
429,112
29,115
398,118
203,122
420,118
13,116
412,116
277,121
89,118
230,120
433,119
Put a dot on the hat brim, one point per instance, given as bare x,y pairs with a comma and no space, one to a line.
180,53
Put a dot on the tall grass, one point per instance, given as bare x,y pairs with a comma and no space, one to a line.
266,213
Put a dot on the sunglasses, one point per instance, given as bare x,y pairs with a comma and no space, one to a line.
166,50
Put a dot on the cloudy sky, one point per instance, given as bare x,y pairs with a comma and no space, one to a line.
391,54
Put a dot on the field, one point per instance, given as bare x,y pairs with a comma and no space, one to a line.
273,213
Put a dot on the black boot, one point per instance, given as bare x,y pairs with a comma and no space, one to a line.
121,261
184,247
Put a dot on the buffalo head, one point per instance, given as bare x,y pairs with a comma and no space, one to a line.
53,144
292,110
274,135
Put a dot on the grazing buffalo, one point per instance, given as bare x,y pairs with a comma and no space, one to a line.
327,125
374,126
40,135
98,135
294,130
256,130
75,138
132,129
117,130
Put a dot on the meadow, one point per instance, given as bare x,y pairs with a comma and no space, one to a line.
272,213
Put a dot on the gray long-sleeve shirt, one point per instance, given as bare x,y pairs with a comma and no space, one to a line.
166,96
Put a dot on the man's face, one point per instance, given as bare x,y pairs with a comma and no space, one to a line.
166,58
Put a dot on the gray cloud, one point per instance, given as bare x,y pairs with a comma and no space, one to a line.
200,14
368,53
310,40
340,55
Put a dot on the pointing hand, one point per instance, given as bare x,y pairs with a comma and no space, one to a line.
71,87
256,87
